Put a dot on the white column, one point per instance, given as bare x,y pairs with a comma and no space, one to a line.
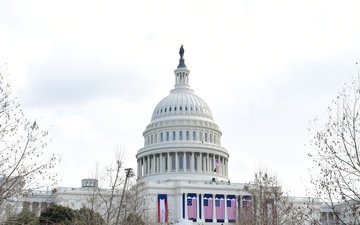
140,167
178,206
225,205
197,207
214,164
184,161
153,164
161,163
208,163
186,208
168,162
192,163
148,164
227,164
214,210
176,162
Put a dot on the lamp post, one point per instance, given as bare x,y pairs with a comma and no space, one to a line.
129,173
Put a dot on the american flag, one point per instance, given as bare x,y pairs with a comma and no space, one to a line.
208,206
162,208
231,207
218,164
191,206
220,208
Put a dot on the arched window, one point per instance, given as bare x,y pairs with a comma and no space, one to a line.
174,136
194,136
210,138
161,137
167,136
180,135
200,136
206,138
187,135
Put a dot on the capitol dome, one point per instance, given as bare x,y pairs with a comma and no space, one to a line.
182,141
181,102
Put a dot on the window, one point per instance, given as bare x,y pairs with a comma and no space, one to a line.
152,139
181,162
187,135
200,136
180,135
165,110
185,108
161,137
167,136
166,163
173,161
214,139
180,108
210,138
175,108
170,109
155,140
156,164
187,162
174,136
194,136
195,163
206,138
203,166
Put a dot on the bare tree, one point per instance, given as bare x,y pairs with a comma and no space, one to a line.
113,179
267,203
118,198
137,203
24,163
337,157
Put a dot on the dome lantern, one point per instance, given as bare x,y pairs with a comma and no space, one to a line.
181,72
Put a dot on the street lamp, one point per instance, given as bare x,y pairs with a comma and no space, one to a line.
129,173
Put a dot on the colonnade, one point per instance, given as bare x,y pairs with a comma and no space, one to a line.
174,162
200,213
35,207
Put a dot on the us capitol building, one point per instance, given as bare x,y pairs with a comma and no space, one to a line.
183,166
182,161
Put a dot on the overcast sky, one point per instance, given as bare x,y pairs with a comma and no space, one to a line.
94,71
